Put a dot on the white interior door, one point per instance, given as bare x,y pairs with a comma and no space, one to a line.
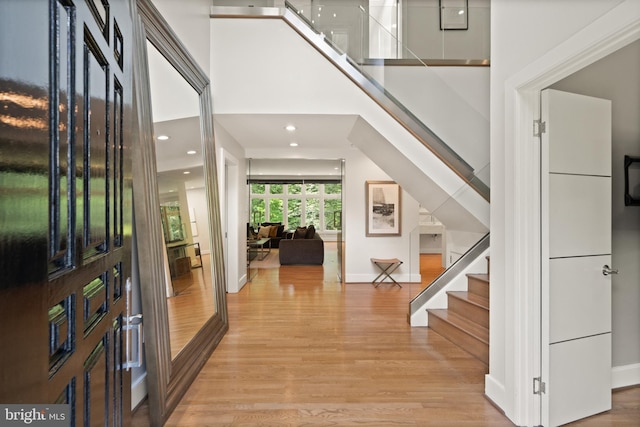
576,305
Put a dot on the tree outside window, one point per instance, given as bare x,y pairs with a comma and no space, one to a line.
276,210
294,213
332,214
295,188
332,188
276,188
312,212
312,188
257,188
257,211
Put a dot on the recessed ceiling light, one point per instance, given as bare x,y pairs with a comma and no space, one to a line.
290,128
461,12
293,144
186,172
163,137
191,152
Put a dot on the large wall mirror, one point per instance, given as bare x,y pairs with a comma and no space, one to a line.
177,214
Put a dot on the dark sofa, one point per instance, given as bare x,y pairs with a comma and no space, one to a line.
302,250
276,233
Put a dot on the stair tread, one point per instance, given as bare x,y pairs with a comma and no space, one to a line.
479,332
479,276
472,298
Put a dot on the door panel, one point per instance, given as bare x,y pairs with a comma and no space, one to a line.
581,151
579,282
65,234
581,222
577,192
581,370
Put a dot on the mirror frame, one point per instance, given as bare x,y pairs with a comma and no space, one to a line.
168,380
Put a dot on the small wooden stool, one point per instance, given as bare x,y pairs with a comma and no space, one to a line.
386,266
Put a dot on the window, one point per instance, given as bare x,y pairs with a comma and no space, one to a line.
276,208
294,213
296,204
332,214
312,212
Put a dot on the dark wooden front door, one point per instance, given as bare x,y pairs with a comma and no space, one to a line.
65,205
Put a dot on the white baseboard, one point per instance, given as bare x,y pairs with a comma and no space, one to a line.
625,376
494,391
138,391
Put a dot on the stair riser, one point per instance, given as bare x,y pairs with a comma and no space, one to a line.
470,311
478,287
470,344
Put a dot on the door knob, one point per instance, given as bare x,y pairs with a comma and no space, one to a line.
606,270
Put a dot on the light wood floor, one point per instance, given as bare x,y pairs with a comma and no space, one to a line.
192,306
303,349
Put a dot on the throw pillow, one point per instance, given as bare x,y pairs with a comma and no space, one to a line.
311,231
300,233
274,230
263,232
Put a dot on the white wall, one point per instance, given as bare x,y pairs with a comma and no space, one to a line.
452,101
197,200
230,152
358,247
522,32
190,21
425,40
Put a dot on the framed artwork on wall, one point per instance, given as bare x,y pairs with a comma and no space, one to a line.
454,14
383,208
631,181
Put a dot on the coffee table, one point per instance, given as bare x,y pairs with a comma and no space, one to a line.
260,243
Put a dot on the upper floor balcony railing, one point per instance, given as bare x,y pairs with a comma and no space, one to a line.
437,32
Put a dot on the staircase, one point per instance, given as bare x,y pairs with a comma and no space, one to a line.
466,320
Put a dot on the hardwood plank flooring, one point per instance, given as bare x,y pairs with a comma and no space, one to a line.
192,306
304,349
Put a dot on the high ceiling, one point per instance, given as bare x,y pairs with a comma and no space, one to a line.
175,109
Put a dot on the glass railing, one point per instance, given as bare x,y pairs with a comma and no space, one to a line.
428,32
439,267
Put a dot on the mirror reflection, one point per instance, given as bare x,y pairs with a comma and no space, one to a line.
183,201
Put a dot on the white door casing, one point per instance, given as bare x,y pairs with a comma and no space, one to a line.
576,295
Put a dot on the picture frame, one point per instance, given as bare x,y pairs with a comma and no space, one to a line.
383,208
454,15
631,180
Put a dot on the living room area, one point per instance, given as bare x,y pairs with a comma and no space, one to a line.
296,211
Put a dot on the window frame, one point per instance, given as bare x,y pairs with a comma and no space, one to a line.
321,196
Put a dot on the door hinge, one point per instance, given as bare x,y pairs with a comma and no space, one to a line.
539,127
539,386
